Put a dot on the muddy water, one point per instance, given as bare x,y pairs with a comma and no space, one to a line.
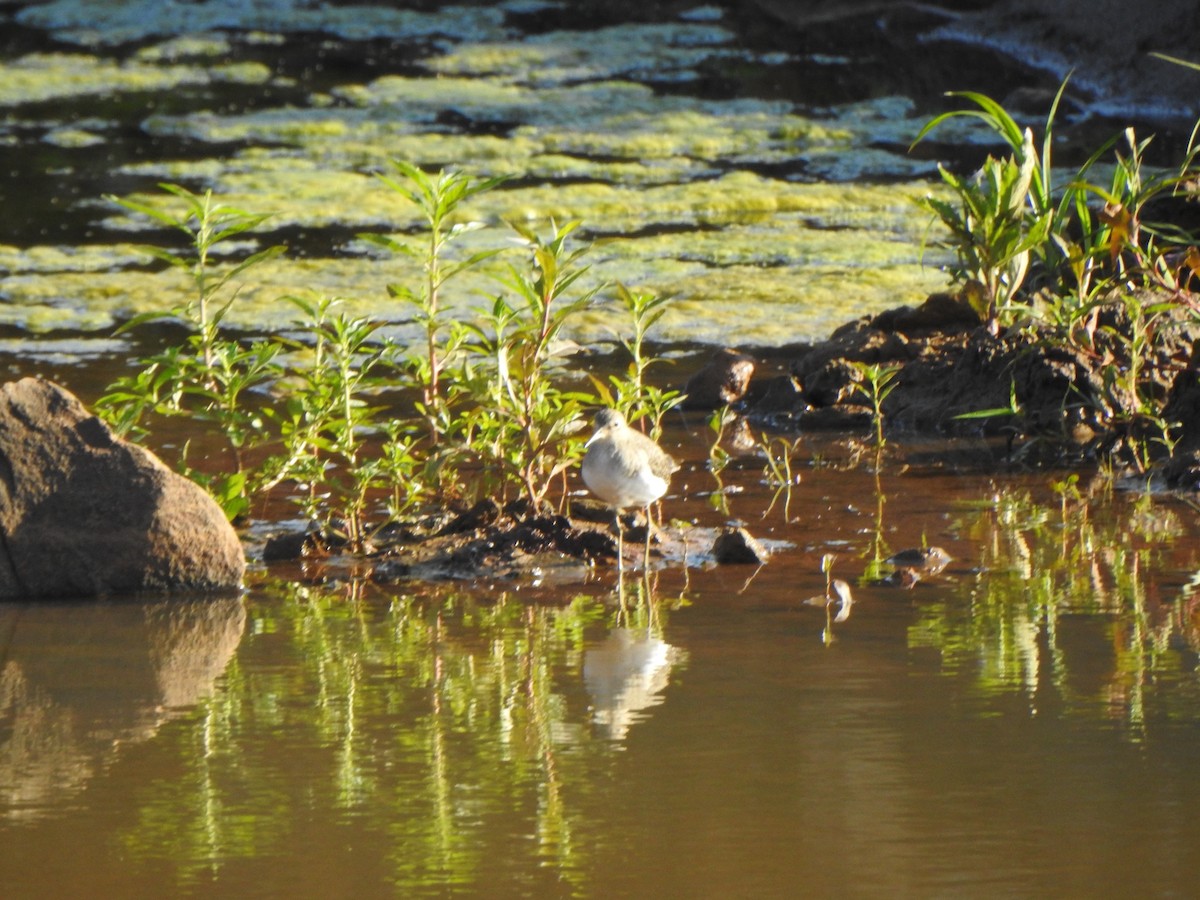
1025,722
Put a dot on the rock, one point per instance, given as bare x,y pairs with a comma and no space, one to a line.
1052,399
722,381
837,380
83,513
940,312
737,545
783,393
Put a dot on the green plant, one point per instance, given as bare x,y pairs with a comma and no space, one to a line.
1014,220
326,419
631,393
520,423
777,472
1013,408
206,224
836,591
1021,224
719,457
875,382
487,391
439,199
994,228
1129,393
208,378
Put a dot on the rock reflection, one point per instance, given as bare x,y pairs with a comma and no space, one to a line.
77,681
626,674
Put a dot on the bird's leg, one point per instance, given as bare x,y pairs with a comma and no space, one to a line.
646,557
620,545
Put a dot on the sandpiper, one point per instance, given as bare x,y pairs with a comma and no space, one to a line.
625,468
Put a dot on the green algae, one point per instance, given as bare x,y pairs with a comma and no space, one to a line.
187,46
62,351
41,259
743,304
98,23
73,138
673,186
748,242
730,137
763,275
40,77
665,51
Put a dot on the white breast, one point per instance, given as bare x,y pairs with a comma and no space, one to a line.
620,480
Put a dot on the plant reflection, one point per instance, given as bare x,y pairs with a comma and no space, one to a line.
1061,584
427,719
878,551
837,593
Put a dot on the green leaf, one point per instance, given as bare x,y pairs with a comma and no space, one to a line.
988,413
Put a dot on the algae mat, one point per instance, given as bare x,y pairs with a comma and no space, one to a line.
768,220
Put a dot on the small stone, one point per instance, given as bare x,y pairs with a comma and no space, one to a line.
737,545
721,382
293,545
927,560
940,312
782,394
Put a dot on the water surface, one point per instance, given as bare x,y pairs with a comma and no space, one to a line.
1026,722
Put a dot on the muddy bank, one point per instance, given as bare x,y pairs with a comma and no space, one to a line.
488,542
1057,402
1044,403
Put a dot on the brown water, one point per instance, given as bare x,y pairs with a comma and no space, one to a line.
1024,723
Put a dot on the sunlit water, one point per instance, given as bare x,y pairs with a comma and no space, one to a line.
1024,723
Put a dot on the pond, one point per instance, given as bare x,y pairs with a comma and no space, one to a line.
706,157
1023,722
1026,721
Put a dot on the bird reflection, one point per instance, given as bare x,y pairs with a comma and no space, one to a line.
627,673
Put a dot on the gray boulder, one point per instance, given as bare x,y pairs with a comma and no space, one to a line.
84,513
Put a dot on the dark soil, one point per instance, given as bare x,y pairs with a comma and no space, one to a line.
493,542
1062,402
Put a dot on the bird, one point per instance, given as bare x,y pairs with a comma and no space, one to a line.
625,468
